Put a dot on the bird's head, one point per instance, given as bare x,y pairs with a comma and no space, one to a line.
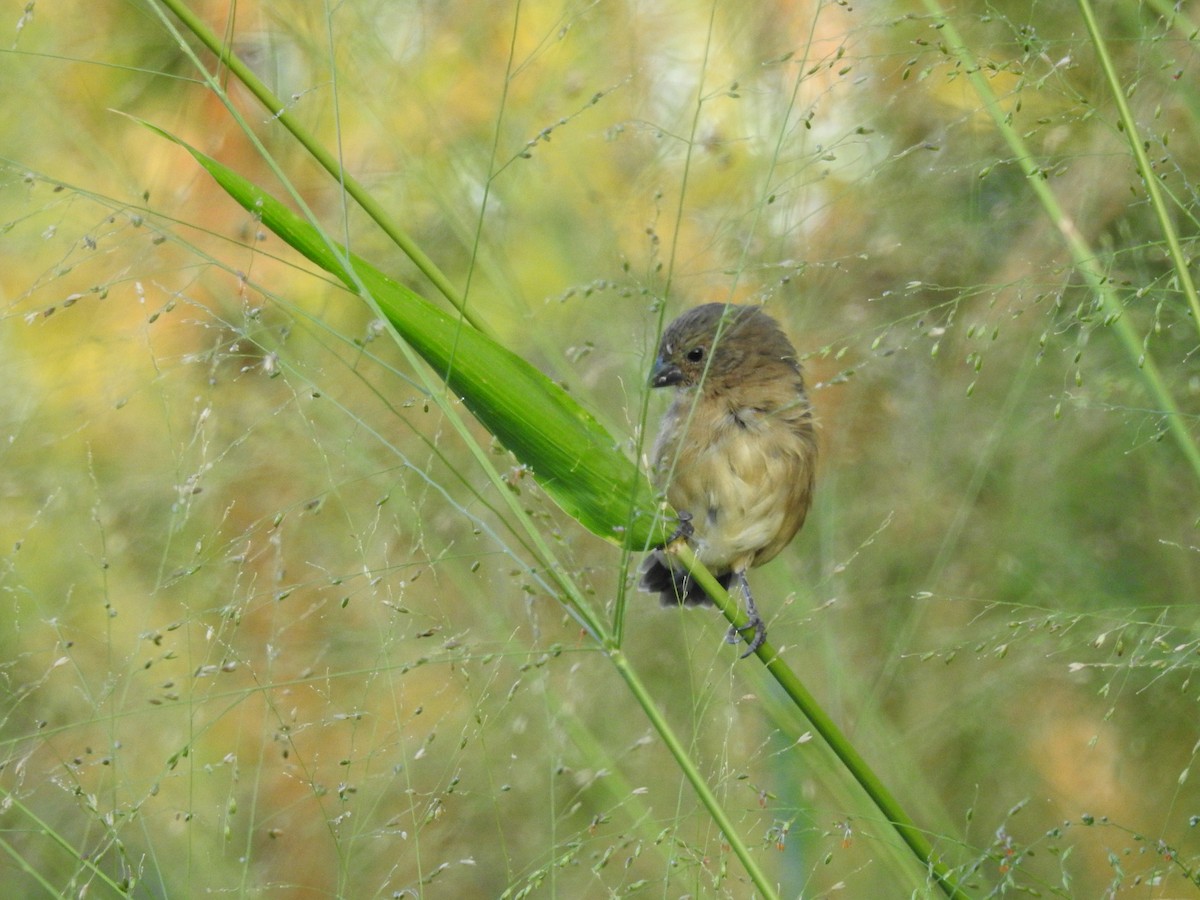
718,341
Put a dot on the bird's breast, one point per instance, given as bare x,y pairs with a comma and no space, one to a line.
744,475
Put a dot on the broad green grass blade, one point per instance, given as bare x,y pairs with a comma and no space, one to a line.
573,458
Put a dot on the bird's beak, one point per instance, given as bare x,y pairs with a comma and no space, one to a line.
665,374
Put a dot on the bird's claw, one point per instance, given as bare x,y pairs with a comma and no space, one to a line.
683,531
755,624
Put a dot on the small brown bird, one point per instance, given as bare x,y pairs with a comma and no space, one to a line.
736,452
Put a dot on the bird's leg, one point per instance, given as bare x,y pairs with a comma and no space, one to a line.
754,621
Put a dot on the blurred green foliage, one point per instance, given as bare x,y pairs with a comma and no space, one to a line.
270,630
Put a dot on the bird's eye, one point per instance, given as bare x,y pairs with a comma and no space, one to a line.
696,354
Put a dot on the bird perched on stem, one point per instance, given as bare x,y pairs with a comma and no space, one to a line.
735,453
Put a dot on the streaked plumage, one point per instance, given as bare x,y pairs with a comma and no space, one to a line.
736,449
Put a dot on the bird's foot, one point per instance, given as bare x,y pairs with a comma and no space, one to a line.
683,531
754,623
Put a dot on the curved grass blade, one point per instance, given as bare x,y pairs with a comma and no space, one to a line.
570,454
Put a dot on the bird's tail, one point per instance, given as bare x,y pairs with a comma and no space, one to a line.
675,587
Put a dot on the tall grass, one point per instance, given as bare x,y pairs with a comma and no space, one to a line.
284,619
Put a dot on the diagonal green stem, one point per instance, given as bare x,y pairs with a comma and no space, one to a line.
828,730
46,829
1085,259
224,52
688,767
1178,259
570,595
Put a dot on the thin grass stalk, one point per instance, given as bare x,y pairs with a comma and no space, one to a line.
20,862
686,765
540,550
572,598
680,206
279,110
1179,18
622,793
45,828
1082,255
824,725
644,699
1157,202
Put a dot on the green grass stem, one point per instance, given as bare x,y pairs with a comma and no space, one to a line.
98,876
1136,146
1084,258
570,596
824,725
324,158
690,771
